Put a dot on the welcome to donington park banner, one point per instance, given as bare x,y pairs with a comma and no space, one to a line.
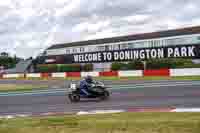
180,51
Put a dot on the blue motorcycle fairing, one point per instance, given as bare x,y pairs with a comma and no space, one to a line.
84,88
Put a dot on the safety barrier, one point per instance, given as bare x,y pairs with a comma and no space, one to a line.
46,75
134,73
13,76
33,75
59,75
109,74
161,72
94,74
73,74
185,72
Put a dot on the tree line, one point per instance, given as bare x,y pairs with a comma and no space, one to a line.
7,61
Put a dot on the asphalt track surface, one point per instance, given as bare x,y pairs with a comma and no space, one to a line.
125,95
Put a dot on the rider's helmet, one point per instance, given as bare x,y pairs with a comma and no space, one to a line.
88,79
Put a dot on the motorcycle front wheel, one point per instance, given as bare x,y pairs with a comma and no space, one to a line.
74,97
105,95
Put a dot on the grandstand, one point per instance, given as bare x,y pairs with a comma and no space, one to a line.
100,52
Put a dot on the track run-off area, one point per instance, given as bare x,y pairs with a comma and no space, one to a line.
129,95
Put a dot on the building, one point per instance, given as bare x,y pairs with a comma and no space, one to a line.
175,43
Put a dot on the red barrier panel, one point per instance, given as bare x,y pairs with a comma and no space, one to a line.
46,75
109,74
161,72
73,74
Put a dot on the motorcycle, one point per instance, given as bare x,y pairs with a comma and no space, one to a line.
99,91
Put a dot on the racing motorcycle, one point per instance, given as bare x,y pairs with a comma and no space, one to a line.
100,91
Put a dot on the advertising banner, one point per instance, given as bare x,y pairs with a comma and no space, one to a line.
180,51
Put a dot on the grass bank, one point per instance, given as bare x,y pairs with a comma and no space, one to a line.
110,123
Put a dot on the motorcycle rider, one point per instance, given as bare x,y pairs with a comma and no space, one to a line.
86,85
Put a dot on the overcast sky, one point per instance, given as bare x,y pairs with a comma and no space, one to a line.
27,27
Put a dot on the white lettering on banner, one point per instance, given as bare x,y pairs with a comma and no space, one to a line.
116,56
80,58
76,58
181,52
127,55
87,57
121,55
176,52
142,55
99,57
147,52
191,51
184,52
131,55
153,53
94,57
136,54
161,53
109,56
169,52
104,56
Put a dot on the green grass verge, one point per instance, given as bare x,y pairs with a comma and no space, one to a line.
20,87
110,123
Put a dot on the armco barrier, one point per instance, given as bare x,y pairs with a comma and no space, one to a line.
185,72
46,75
73,74
13,75
109,74
59,75
94,74
33,75
1,76
136,73
161,72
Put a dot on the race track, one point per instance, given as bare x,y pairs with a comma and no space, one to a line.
125,95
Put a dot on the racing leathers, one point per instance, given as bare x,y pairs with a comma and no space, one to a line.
86,87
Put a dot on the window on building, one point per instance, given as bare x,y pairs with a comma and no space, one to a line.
130,46
151,44
74,50
107,48
67,51
110,47
116,47
101,48
82,49
198,38
124,46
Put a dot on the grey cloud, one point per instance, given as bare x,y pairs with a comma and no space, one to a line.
46,26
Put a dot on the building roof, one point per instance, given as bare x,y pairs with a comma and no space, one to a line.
21,67
159,34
